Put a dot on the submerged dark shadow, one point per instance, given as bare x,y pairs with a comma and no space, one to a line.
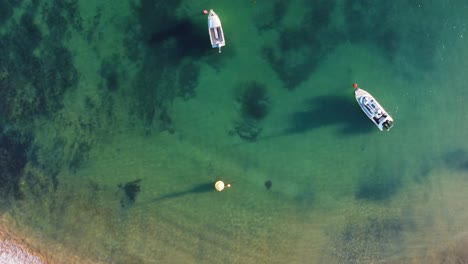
13,158
198,189
189,40
456,159
331,110
379,189
326,111
380,183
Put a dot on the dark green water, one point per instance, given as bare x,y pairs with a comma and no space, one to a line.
118,118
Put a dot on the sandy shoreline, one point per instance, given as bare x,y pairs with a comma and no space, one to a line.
15,249
26,247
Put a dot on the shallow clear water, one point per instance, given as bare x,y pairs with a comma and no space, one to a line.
118,118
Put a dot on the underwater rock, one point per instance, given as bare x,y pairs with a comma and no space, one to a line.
268,184
248,130
110,73
131,189
254,106
254,100
165,121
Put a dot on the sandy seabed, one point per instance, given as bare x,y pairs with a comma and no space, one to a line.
172,220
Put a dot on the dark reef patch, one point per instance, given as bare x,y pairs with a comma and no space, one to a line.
456,159
302,49
254,100
374,22
380,184
56,22
271,18
188,79
370,21
318,17
47,162
154,93
21,41
424,170
34,83
167,47
110,73
254,106
367,20
131,190
60,15
294,65
58,74
6,10
14,149
165,121
28,31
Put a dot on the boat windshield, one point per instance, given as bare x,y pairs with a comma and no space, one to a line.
369,104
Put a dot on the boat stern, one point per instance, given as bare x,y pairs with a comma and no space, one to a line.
388,123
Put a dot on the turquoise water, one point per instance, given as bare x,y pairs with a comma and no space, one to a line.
118,118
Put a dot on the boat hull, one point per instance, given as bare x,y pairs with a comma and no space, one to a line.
374,111
215,30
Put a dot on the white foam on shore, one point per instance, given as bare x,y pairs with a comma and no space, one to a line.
11,253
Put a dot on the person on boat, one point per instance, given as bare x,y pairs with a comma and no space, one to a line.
387,124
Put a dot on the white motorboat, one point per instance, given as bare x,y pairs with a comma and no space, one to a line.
373,109
216,31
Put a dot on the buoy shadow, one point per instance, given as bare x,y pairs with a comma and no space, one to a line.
198,189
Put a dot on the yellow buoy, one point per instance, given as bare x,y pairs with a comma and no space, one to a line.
219,185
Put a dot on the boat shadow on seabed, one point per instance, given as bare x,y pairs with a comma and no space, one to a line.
330,110
325,111
189,40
